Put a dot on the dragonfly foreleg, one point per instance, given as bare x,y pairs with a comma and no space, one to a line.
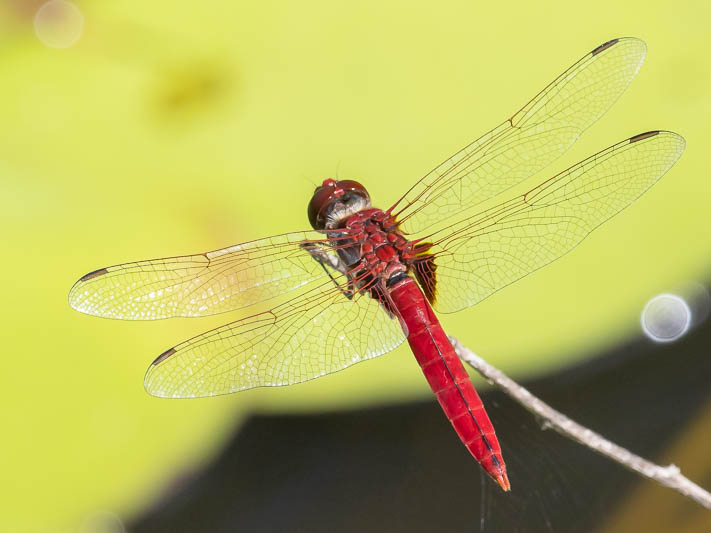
325,259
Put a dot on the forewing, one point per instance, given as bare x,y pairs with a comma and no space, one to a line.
532,138
201,284
317,333
482,254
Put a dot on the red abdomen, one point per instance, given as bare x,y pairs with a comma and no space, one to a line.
448,379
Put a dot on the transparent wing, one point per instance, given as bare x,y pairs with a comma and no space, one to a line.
317,333
532,138
201,284
482,254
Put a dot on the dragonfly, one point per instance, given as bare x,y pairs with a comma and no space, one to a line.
363,280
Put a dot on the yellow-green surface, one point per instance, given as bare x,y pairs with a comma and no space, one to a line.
176,127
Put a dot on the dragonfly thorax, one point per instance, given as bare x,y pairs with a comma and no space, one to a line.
379,246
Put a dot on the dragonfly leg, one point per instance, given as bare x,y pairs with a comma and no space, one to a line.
323,259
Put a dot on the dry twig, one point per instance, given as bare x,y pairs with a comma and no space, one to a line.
669,476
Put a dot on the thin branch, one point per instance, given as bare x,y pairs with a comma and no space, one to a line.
669,476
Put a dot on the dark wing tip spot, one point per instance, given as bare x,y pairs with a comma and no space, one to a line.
642,136
605,46
162,357
94,274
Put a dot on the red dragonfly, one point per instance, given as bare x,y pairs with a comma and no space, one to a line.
364,280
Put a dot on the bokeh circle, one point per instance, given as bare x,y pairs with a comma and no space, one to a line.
665,318
58,24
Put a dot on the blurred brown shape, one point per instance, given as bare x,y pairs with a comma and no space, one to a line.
186,89
651,507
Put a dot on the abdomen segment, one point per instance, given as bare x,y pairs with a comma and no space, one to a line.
448,379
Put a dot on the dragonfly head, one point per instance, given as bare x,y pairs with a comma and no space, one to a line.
334,201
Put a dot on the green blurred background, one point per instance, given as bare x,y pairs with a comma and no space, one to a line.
179,127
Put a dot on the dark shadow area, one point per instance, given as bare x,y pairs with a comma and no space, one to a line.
403,468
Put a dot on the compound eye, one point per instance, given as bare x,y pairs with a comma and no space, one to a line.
328,193
353,186
318,205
